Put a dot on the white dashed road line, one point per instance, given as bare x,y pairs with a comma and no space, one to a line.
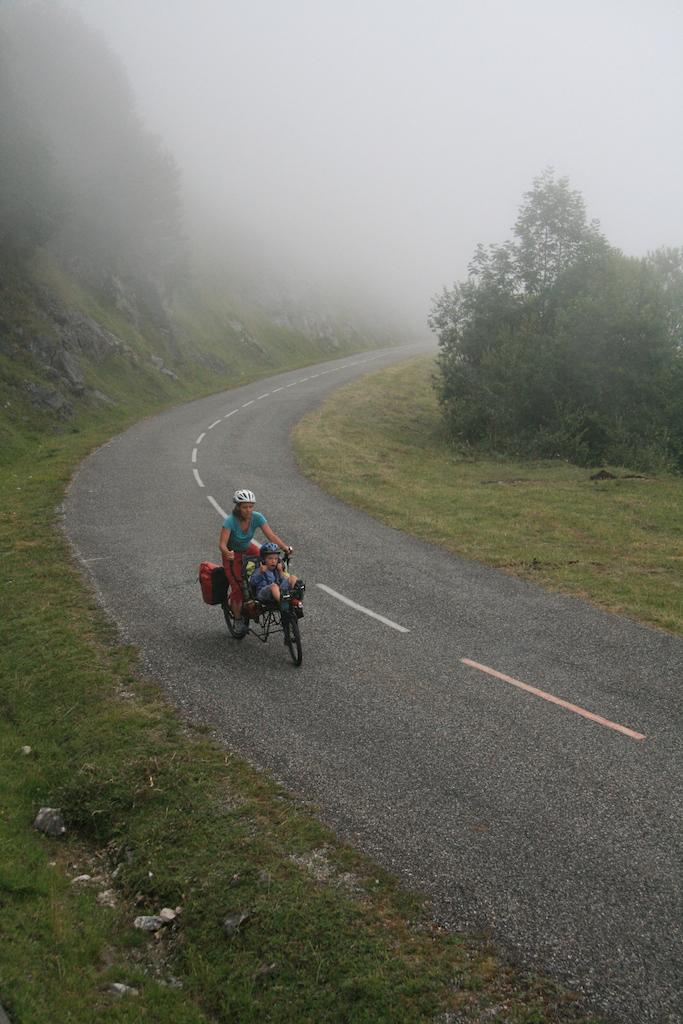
221,512
360,608
197,478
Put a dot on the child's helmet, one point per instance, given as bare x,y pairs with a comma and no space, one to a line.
269,549
244,495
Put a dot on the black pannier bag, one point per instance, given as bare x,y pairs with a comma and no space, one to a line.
214,583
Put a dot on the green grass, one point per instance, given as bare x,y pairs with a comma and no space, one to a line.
162,815
379,445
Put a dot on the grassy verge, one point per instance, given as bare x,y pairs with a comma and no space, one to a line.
379,445
159,815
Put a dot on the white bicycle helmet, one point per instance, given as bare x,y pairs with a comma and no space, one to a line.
240,496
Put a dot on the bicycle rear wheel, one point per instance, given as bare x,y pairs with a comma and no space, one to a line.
230,622
293,638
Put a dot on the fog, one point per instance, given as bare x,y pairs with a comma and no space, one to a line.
378,142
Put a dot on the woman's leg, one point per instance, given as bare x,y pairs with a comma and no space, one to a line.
233,571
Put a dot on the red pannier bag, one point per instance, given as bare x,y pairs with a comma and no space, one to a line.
214,583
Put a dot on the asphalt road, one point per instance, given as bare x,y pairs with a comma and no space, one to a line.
556,831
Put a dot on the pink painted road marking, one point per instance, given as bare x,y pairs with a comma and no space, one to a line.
555,700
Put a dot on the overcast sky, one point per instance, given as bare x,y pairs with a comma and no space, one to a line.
389,137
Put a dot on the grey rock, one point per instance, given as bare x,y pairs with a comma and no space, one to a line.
49,820
107,898
53,401
119,989
71,369
265,970
159,363
100,396
43,347
123,299
233,923
8,345
171,982
212,363
83,334
148,923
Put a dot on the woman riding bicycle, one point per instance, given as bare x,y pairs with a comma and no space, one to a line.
236,541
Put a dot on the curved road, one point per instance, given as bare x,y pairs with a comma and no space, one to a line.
560,832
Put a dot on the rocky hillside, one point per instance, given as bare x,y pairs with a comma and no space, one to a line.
110,305
69,352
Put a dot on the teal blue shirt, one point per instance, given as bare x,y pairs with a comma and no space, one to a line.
240,540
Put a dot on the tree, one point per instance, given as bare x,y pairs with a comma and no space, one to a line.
124,206
553,234
557,344
31,200
668,265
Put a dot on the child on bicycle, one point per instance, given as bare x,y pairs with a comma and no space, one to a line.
269,582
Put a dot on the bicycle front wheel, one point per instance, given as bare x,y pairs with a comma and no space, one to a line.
293,639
